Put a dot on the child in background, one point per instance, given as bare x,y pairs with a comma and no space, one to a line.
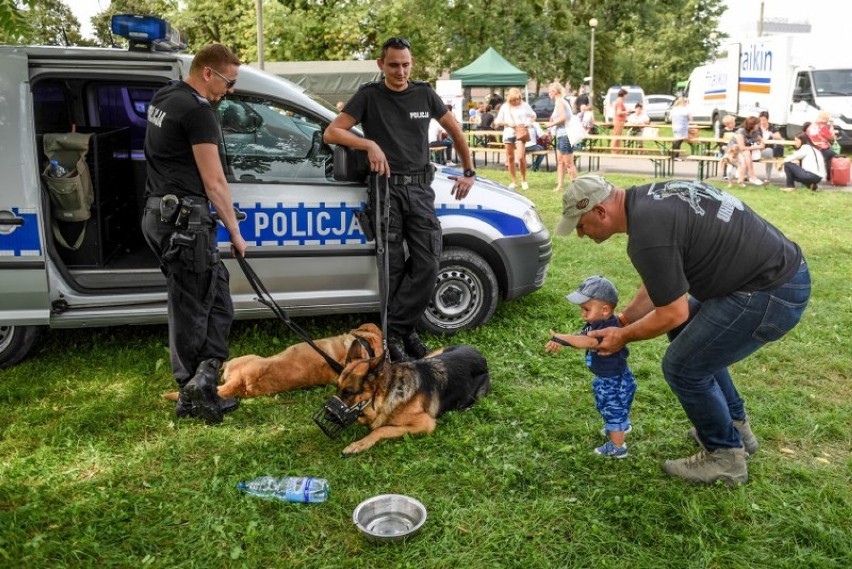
613,384
731,158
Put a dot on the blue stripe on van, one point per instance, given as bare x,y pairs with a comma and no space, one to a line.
335,224
24,239
506,224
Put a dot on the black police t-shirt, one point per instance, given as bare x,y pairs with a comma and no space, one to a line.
178,118
693,237
398,121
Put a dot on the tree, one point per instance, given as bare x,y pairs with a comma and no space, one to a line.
12,21
45,22
652,43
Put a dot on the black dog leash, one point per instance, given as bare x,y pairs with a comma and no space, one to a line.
382,198
266,299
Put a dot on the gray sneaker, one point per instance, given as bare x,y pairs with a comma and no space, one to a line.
725,464
749,440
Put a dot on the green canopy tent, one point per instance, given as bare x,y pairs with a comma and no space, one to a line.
490,70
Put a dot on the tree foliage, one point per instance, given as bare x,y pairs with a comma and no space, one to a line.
43,22
652,43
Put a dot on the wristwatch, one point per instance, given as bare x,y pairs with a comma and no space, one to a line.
469,173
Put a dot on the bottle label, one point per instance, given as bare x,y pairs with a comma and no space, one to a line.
298,489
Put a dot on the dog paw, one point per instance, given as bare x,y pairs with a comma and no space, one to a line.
354,448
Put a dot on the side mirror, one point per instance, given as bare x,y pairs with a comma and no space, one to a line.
350,165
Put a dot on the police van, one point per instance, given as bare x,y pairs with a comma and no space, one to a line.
305,242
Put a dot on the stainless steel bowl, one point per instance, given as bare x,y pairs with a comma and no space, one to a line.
388,518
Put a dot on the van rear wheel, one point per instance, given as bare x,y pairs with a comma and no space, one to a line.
465,294
16,342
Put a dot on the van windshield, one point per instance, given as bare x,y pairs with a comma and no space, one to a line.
833,82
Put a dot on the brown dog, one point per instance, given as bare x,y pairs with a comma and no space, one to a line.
408,397
297,366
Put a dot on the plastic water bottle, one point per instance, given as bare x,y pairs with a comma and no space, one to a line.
288,488
57,170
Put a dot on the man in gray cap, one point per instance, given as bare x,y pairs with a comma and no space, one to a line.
719,279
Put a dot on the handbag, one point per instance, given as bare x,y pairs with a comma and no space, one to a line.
576,132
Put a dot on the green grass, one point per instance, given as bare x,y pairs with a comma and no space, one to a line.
96,471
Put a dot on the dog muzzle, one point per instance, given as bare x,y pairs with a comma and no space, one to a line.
335,416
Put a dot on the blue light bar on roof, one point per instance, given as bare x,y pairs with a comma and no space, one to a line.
147,32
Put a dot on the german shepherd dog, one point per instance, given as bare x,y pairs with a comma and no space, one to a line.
408,397
297,366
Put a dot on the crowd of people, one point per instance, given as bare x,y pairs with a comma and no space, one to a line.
756,140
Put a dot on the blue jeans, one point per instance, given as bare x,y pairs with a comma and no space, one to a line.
719,332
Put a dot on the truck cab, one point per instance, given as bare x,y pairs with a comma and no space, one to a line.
305,242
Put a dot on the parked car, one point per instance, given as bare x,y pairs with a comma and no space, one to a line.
543,106
304,238
657,106
635,94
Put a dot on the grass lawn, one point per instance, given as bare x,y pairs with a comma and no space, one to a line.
95,470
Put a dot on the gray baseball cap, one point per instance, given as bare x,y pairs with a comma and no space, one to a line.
580,196
595,287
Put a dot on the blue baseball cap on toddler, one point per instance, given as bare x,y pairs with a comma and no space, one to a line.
595,287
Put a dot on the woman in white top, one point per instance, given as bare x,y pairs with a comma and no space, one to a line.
680,118
515,112
812,169
559,120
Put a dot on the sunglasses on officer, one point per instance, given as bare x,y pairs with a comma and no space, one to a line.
229,83
396,43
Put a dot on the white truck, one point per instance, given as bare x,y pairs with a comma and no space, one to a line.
780,74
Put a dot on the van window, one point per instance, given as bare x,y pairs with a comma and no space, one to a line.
121,106
267,141
52,108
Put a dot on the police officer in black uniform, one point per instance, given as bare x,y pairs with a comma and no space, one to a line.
395,115
185,174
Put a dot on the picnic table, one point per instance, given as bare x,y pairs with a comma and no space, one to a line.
487,143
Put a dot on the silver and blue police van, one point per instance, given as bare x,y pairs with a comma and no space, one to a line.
305,242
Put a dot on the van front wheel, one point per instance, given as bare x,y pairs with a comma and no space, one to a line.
16,342
465,294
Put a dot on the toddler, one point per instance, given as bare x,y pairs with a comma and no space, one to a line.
613,384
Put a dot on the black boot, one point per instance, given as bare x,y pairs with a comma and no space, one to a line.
183,407
415,346
397,350
201,392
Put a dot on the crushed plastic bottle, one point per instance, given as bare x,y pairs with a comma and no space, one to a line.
57,170
288,488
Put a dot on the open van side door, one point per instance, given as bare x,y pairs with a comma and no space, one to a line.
23,277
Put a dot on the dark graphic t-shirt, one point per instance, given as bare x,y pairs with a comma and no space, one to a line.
605,366
692,237
398,121
178,117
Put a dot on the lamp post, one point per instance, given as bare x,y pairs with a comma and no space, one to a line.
593,23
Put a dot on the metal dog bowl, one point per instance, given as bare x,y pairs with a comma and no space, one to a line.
389,518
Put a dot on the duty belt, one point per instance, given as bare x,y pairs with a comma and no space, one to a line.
182,212
421,177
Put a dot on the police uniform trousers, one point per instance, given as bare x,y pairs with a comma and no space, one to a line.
411,280
200,310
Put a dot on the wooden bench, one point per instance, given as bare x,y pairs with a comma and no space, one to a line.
708,166
501,151
663,164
